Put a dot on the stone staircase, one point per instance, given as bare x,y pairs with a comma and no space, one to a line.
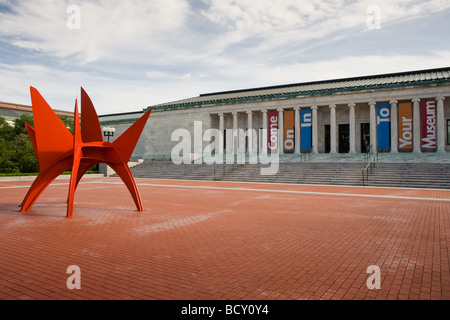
411,175
317,169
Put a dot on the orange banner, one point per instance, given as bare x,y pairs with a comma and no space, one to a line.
405,126
289,129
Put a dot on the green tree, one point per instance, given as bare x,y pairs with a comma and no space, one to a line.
6,134
16,150
19,123
68,122
23,155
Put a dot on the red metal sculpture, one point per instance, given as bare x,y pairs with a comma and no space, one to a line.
58,150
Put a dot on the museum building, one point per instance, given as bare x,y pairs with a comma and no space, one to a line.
407,112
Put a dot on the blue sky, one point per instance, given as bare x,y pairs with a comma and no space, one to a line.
132,54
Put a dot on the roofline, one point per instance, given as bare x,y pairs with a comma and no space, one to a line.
122,113
25,108
381,75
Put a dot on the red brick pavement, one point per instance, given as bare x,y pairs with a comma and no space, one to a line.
218,240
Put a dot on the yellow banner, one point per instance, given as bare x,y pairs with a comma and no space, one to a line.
289,129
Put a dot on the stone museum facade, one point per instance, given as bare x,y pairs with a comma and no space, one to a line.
406,112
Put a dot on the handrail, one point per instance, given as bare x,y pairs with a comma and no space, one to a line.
370,165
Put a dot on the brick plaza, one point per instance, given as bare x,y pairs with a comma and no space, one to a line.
223,240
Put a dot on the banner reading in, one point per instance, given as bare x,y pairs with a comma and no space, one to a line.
305,133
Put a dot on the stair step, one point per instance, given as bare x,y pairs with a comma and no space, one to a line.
424,175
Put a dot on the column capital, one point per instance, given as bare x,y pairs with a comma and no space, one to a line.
314,107
415,100
249,112
280,109
234,113
264,111
220,114
352,105
442,98
332,106
393,101
372,103
297,108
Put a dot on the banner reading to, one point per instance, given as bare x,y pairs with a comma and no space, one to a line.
383,127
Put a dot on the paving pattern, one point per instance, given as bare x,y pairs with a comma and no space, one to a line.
223,240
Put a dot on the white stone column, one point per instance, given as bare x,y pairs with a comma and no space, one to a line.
280,131
394,126
297,136
249,132
235,132
352,120
440,124
263,146
333,129
416,126
222,133
315,132
373,126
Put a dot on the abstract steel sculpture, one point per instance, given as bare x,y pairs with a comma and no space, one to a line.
58,150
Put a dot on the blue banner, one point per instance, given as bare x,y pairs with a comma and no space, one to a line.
305,132
383,127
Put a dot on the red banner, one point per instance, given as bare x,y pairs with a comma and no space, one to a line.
273,131
428,116
405,126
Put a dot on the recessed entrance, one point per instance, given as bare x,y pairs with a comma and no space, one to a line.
365,137
344,138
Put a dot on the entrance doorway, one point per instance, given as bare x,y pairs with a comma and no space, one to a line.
344,138
365,137
327,138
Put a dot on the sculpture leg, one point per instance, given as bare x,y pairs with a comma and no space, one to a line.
84,167
41,183
73,182
123,171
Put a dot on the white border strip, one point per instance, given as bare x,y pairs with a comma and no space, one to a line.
257,190
283,191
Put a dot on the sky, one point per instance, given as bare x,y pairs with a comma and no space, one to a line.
129,55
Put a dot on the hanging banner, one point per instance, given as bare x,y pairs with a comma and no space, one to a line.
405,126
289,129
305,132
272,143
428,116
383,127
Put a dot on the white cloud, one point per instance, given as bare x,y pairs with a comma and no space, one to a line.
106,26
131,54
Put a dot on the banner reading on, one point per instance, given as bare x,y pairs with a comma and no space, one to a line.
289,129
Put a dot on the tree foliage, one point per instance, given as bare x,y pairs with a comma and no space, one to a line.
16,150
